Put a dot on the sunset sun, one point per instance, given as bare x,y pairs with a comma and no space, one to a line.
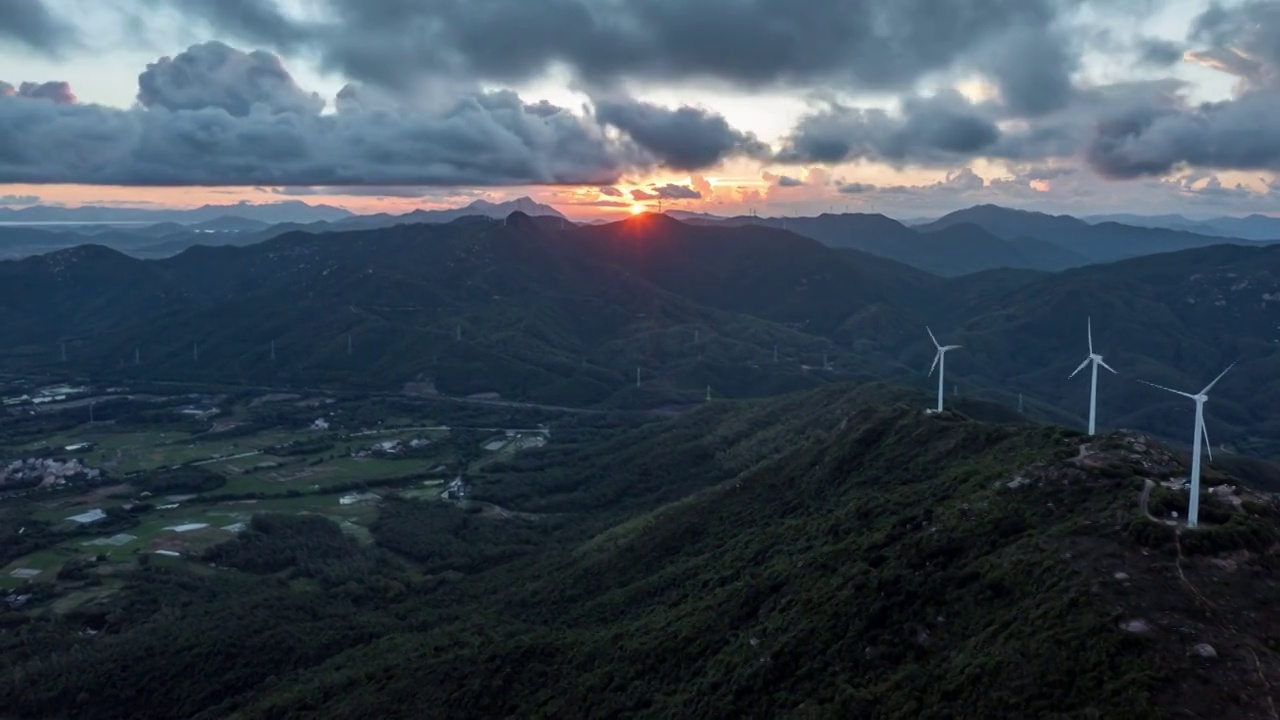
636,209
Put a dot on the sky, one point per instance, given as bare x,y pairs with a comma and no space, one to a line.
911,108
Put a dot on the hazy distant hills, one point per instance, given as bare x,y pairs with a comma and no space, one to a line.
1253,227
271,213
976,239
537,309
249,216
1100,242
956,250
41,229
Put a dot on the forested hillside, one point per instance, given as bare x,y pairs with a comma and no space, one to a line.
838,554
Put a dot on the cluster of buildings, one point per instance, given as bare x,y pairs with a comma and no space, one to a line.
46,472
56,393
392,448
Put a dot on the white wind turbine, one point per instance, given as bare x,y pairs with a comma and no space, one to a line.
1096,360
1201,435
940,364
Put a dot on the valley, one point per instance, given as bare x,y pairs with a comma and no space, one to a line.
142,484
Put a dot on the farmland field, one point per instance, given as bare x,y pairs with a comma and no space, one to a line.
246,467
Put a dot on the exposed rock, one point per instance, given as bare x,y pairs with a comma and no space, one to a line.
1122,576
1136,626
1205,650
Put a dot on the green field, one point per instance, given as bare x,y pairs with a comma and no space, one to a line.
163,529
187,523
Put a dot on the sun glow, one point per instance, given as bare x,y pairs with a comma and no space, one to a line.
636,209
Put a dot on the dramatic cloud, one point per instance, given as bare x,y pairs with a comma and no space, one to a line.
214,75
31,24
881,44
610,191
1242,133
686,138
667,192
1033,68
930,130
217,116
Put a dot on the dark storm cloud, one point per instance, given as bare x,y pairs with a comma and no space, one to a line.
610,191
788,181
241,122
667,192
1241,134
882,44
1158,52
686,138
935,129
1032,67
855,188
253,21
214,75
32,24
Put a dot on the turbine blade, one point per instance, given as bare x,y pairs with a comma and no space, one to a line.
1204,430
1209,387
1175,392
934,366
1086,362
1090,321
1105,365
931,337
945,348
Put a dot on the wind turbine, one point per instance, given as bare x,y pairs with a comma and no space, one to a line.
939,364
1096,360
1201,434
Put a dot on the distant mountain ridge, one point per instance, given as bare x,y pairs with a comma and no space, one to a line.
1252,227
255,216
272,213
976,239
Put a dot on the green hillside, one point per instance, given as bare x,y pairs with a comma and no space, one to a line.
832,554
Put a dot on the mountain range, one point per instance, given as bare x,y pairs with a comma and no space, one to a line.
1252,227
537,309
255,216
973,240
272,213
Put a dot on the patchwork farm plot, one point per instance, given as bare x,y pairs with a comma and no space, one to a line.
168,493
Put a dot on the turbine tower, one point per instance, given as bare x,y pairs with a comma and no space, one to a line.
940,364
1096,360
1201,435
